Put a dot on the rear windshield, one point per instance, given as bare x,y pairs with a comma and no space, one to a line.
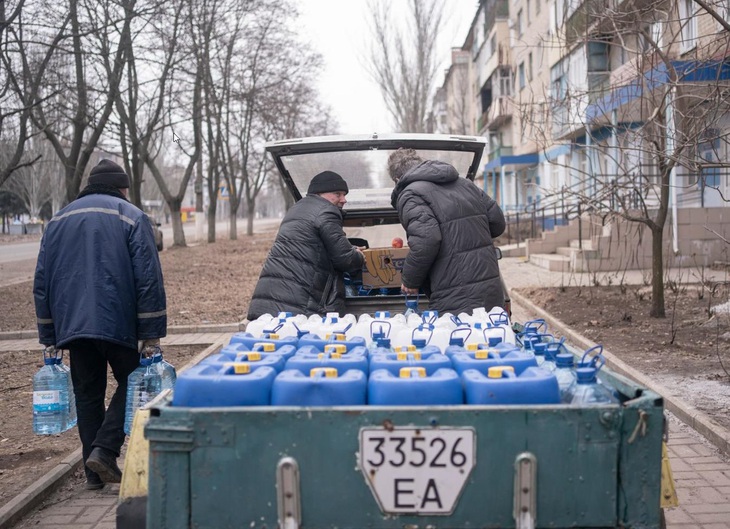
366,172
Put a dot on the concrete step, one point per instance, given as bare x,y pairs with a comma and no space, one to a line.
585,244
566,251
513,250
551,261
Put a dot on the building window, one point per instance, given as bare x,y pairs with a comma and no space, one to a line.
519,23
521,75
529,67
688,23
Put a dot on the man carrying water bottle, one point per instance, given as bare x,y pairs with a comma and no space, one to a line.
450,224
98,290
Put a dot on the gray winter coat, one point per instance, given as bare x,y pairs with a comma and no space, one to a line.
303,272
450,224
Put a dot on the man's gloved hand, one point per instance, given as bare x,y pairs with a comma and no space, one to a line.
152,342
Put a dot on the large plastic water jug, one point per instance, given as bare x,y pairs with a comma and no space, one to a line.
330,324
50,396
502,386
412,386
484,332
382,325
237,384
72,417
264,348
435,336
499,348
254,358
565,373
249,340
331,339
342,361
320,387
284,325
482,360
143,385
587,390
168,375
394,362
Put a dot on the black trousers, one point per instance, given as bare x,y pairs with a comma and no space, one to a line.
97,426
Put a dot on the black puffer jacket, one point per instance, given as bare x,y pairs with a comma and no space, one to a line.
450,224
303,272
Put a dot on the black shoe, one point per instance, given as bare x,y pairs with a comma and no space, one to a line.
94,482
104,463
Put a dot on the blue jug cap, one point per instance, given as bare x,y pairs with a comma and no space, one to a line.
494,340
382,314
419,342
564,360
585,375
157,358
49,361
539,347
456,340
383,342
145,362
412,304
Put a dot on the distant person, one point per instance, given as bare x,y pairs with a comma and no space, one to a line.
98,291
450,224
304,271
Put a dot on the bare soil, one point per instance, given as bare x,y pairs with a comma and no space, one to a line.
688,351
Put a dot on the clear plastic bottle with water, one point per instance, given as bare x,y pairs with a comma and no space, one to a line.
71,418
50,396
143,385
565,373
587,390
168,375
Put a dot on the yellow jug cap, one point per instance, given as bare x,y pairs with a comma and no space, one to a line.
335,348
336,336
472,346
253,356
240,368
481,354
496,371
412,372
409,356
265,347
326,372
273,336
405,348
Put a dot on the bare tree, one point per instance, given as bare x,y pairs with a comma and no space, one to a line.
34,184
403,61
651,122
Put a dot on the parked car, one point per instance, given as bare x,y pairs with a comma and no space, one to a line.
370,219
157,232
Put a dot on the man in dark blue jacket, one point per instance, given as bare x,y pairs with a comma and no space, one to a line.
99,291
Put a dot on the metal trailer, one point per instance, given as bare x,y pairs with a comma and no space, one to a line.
552,466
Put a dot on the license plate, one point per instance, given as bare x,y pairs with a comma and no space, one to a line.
413,470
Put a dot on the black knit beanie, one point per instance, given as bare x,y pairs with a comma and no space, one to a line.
327,182
109,173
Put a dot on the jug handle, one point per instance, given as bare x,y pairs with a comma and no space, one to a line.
381,323
504,333
534,326
460,329
588,352
557,346
421,327
501,319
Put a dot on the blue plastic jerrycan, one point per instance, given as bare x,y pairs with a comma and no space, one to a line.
254,358
492,346
307,359
249,340
320,387
502,386
484,359
265,348
332,339
235,384
412,386
393,362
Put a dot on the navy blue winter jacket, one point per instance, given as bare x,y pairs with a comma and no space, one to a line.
98,275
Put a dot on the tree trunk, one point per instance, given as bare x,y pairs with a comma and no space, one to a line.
249,220
178,234
212,210
657,272
232,227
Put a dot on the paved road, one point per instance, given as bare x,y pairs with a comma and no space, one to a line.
21,251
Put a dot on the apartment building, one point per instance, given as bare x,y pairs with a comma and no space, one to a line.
607,103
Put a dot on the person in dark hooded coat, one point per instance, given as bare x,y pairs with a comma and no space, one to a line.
304,271
450,224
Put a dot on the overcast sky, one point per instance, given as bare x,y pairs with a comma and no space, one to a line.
339,31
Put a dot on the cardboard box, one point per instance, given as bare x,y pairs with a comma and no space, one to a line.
382,267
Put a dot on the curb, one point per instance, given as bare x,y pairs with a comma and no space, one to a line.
39,490
699,421
173,329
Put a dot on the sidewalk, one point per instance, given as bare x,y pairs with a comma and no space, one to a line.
701,473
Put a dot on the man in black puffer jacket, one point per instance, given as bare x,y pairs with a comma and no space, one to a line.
303,273
450,224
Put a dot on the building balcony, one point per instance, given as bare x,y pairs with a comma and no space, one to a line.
499,112
499,152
